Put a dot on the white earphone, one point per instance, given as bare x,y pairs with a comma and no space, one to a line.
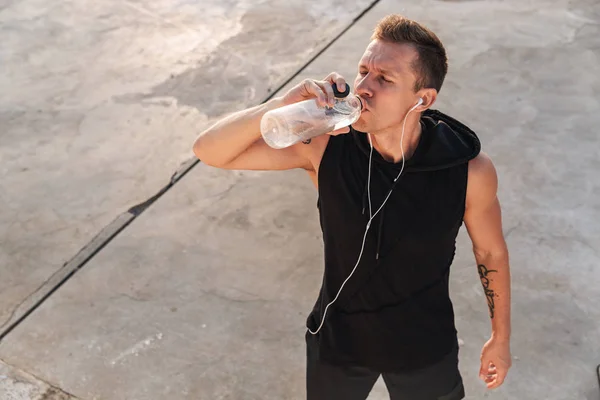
371,216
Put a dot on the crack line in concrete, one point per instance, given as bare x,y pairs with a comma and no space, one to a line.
50,393
107,234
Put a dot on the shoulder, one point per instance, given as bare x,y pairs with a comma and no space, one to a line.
482,166
482,181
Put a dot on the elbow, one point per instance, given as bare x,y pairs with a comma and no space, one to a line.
198,149
497,260
499,254
202,151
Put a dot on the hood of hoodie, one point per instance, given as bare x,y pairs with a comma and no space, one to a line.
444,143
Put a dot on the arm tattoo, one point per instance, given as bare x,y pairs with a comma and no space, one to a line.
307,141
485,281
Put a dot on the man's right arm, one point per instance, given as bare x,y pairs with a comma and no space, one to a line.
235,142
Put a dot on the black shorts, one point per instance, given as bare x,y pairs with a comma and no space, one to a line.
441,381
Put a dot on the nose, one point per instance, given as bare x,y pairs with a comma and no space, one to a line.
362,87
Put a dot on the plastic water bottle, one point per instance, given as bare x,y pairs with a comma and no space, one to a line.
288,125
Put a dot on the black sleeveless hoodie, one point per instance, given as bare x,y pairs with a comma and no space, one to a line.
394,313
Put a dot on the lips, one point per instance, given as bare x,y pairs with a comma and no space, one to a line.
363,104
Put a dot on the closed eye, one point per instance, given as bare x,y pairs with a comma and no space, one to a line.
382,77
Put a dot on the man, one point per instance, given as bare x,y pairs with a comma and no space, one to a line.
394,189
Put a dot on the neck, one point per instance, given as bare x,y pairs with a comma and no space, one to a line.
387,143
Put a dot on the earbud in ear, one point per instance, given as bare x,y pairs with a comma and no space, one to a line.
418,104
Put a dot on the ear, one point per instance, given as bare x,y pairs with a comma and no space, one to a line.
429,97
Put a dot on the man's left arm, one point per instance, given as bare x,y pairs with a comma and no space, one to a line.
483,221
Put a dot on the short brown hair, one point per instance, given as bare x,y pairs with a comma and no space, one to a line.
431,64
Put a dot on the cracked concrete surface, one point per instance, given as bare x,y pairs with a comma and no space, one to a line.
205,295
196,305
19,385
99,102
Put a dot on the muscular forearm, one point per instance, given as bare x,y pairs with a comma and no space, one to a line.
494,273
231,136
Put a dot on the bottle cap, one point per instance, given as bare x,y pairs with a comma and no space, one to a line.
339,94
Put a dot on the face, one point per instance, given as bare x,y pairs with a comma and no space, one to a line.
385,83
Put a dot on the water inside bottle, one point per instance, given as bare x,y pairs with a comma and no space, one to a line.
276,133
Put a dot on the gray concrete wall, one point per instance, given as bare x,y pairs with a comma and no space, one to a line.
205,295
19,385
99,102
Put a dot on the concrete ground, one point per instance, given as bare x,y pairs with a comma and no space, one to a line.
204,295
99,102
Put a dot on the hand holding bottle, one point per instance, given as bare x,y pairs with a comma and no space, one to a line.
321,90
